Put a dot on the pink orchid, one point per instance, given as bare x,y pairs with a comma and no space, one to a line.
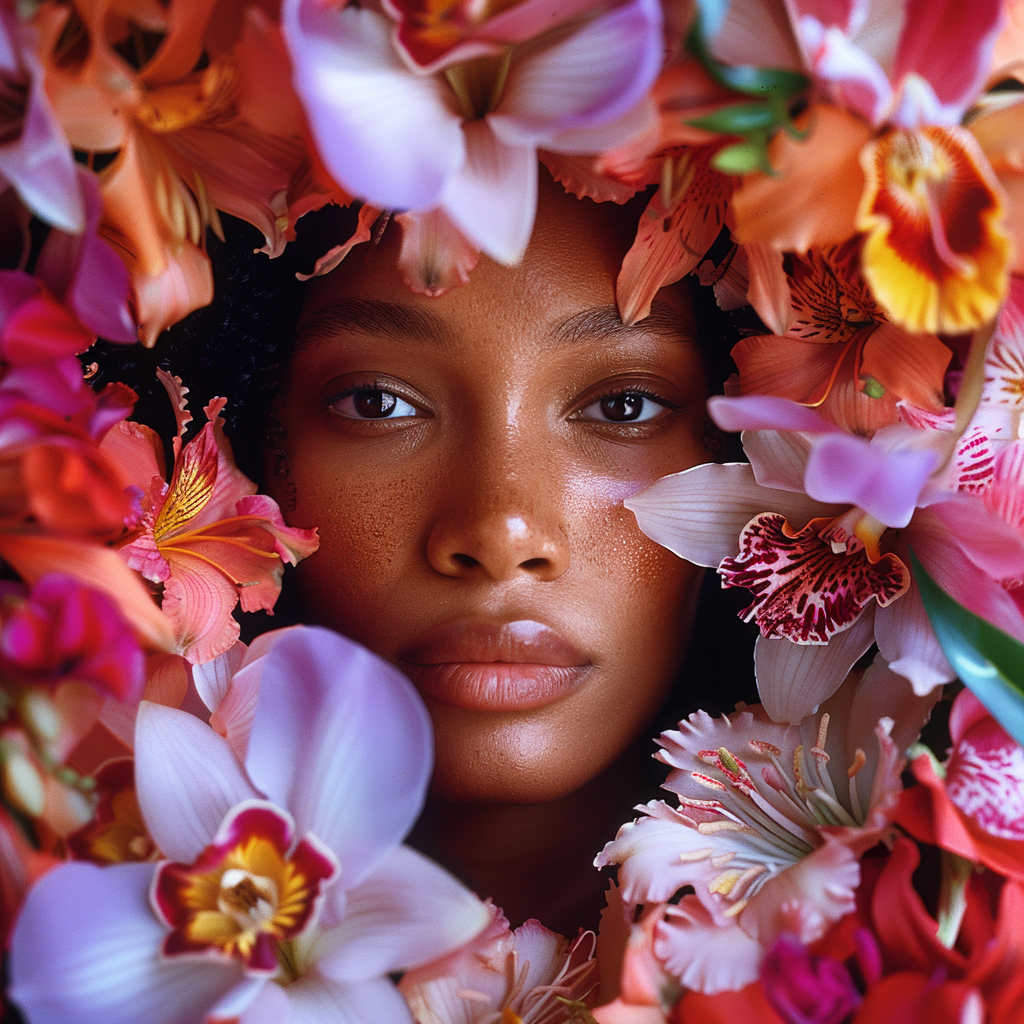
461,137
35,158
206,536
64,630
286,893
818,527
770,825
530,975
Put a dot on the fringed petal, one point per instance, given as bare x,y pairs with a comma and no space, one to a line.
435,256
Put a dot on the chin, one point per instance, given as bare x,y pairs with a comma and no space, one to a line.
515,759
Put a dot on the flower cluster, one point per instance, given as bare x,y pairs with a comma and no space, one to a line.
193,829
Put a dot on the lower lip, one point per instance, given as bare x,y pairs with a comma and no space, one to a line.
495,686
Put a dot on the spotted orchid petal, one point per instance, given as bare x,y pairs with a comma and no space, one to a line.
187,779
96,923
367,759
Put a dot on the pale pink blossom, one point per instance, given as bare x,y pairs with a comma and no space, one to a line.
296,852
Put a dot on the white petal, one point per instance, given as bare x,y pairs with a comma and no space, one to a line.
407,912
698,514
793,679
86,949
492,198
384,133
239,1000
343,741
315,1000
271,1006
906,641
186,778
779,457
212,678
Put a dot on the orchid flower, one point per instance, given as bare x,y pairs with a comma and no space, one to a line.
818,526
530,975
885,139
284,893
458,135
206,536
770,824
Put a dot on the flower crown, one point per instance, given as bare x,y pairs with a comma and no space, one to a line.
854,173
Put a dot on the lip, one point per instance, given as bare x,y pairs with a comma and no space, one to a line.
486,666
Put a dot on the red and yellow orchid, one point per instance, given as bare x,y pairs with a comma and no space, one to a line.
206,537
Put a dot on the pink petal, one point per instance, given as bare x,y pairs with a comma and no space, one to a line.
851,76
702,954
588,79
765,412
906,641
698,514
86,949
806,898
315,1000
186,778
384,133
577,174
989,541
406,912
213,678
758,32
492,197
949,46
435,256
853,471
779,458
343,741
793,679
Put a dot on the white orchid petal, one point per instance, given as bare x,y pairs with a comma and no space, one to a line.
406,912
698,514
237,1001
212,678
906,641
186,778
342,740
271,1006
793,679
492,198
86,948
779,457
314,1000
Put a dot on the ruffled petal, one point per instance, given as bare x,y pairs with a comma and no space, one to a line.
186,778
86,948
435,256
355,778
386,134
407,912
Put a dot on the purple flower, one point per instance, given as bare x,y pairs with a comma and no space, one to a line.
807,989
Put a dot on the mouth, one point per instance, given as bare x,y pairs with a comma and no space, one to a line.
485,666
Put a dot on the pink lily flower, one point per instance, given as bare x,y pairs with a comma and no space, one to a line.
530,975
818,526
206,536
285,893
35,158
462,137
771,822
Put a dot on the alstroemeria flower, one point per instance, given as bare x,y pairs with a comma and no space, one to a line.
286,894
770,824
974,806
839,353
206,536
463,139
894,83
529,976
35,158
818,527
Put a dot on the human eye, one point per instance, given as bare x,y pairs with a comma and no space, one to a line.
372,403
629,405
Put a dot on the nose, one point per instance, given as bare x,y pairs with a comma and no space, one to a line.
503,520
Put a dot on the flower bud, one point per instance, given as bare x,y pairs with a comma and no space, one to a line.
40,715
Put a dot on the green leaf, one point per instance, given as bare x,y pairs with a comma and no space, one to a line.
987,660
739,119
742,158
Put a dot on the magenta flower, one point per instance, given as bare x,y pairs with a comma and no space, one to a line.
807,989
286,894
462,137
818,527
65,630
770,824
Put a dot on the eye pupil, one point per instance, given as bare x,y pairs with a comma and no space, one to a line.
621,407
373,403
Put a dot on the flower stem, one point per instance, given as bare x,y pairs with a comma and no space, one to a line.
953,896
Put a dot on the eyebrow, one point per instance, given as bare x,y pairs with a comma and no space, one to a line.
410,323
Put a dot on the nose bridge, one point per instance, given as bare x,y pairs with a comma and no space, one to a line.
504,515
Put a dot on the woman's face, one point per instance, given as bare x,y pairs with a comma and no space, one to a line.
466,458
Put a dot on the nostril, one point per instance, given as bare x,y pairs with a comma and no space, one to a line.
533,564
464,561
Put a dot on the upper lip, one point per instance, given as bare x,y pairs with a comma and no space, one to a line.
523,641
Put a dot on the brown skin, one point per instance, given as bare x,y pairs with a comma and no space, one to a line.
498,495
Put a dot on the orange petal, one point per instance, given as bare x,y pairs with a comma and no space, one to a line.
912,366
34,555
673,236
811,198
768,290
579,176
936,253
801,371
435,256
